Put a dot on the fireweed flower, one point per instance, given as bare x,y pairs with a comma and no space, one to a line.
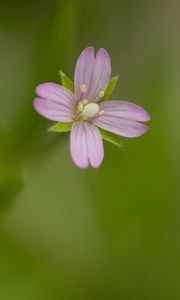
87,112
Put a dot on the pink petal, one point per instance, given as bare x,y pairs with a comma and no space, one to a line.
101,74
86,145
95,145
57,103
120,126
124,110
78,145
55,92
83,72
53,110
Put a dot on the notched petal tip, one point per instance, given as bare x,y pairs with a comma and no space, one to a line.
142,115
36,103
80,165
143,130
147,117
97,164
38,106
87,53
104,52
87,49
42,86
104,55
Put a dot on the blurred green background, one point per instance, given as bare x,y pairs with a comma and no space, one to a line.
111,233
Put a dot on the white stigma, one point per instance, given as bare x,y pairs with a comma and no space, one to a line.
83,88
90,110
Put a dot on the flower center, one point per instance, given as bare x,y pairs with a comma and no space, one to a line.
85,111
90,110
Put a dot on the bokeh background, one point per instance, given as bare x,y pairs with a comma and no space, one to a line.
111,233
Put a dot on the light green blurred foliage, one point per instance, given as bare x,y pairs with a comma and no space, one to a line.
111,233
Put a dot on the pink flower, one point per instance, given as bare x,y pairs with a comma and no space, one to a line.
85,109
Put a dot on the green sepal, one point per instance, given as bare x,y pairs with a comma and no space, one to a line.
111,137
66,81
61,127
110,88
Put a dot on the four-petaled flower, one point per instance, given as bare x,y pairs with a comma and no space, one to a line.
85,109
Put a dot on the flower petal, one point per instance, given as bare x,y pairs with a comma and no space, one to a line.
55,92
86,145
122,127
56,104
101,74
78,146
125,110
94,144
53,110
83,72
